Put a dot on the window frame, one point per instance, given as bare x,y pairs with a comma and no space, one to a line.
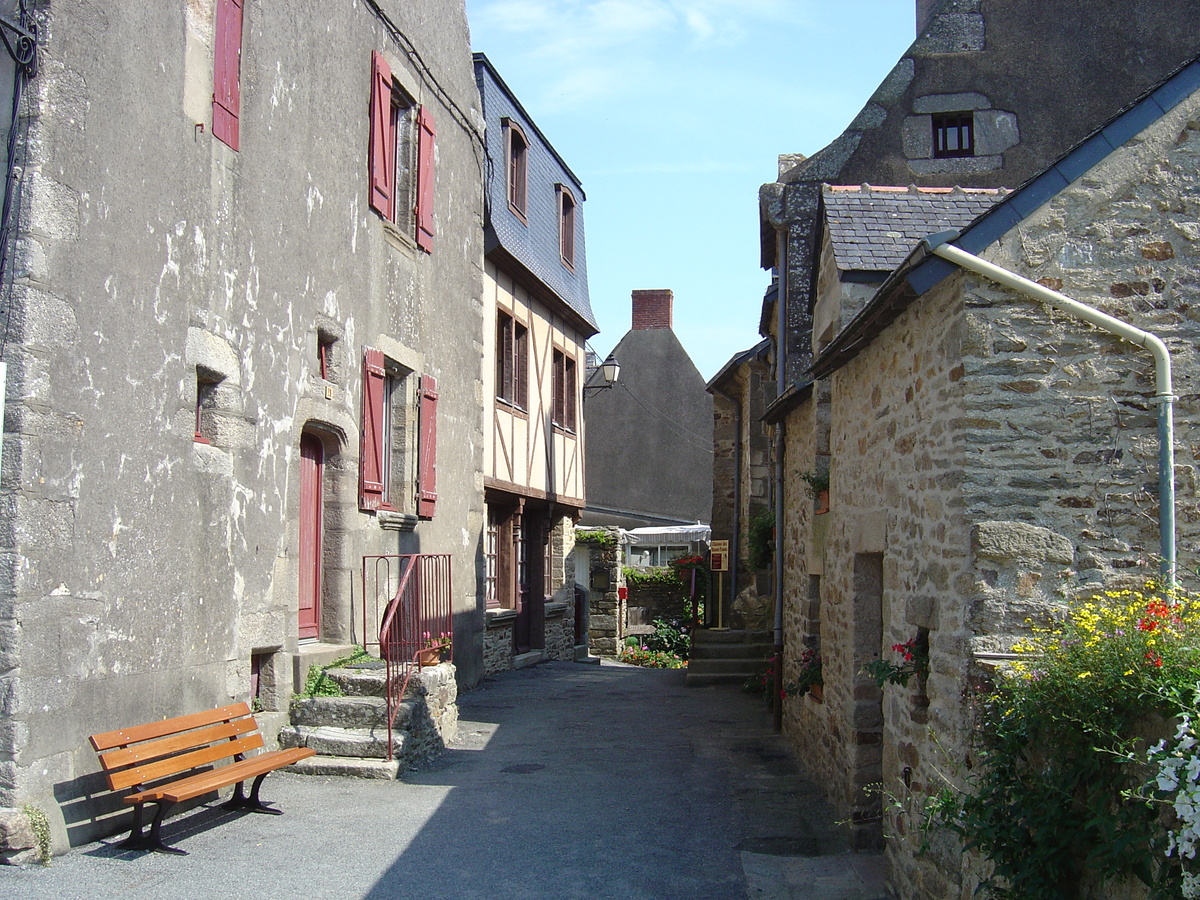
564,388
567,206
512,361
962,124
516,167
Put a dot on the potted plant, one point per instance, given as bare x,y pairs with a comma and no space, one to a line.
914,660
434,648
818,489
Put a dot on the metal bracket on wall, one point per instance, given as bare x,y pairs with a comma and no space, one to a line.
22,44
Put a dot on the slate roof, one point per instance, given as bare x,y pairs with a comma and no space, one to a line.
531,244
873,228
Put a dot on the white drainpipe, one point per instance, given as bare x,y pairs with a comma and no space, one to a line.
1164,396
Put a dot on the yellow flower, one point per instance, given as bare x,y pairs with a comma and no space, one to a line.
1085,674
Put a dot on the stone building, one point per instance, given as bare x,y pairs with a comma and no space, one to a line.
989,458
537,317
649,439
243,323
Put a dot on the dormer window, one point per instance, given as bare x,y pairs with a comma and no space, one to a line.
953,135
566,226
517,150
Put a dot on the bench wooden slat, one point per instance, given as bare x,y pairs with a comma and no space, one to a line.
173,765
206,782
125,736
151,750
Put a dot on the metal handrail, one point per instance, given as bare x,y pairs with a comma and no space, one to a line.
419,605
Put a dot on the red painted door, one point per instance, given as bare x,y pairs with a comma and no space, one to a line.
312,517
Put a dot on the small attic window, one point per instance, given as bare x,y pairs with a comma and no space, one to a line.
953,135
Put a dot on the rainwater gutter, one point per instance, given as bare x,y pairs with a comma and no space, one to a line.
1164,396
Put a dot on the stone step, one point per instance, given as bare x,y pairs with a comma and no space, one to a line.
349,712
697,679
328,740
359,682
730,651
378,769
744,667
713,636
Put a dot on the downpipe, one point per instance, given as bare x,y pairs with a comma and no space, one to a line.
1164,397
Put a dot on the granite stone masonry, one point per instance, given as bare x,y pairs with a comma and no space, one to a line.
990,460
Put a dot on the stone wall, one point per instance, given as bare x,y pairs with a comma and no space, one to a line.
498,640
606,589
990,460
435,723
560,629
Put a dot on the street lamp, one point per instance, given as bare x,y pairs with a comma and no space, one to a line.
609,370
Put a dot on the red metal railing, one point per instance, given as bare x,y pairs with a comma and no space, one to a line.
408,597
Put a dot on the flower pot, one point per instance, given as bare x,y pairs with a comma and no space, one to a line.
822,502
430,656
817,692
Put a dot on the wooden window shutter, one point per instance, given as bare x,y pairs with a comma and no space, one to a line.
521,366
427,450
557,378
370,458
425,179
569,390
381,153
227,55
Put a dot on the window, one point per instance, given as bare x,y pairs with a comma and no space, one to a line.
512,361
227,60
400,157
491,588
566,226
517,150
654,554
206,388
385,461
953,135
325,356
563,375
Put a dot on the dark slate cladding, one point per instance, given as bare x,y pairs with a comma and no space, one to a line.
874,229
533,243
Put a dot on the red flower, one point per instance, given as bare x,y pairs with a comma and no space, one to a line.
1155,659
1147,624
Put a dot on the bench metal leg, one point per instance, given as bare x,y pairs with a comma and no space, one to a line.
240,801
152,841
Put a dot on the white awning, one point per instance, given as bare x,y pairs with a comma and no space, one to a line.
668,534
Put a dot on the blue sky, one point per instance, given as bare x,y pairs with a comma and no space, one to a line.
672,113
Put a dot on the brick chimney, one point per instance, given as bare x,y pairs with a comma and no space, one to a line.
652,309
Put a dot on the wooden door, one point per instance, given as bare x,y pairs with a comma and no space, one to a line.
312,519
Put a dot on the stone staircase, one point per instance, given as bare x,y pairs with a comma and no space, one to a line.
349,732
727,657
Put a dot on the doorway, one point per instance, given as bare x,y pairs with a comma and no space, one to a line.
312,527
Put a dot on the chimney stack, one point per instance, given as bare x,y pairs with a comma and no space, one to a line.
652,309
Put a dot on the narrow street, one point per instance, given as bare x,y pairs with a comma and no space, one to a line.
567,781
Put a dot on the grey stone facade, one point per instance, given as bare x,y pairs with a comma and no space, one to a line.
165,285
990,460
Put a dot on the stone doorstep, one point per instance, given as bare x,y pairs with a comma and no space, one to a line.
315,653
532,658
378,769
359,682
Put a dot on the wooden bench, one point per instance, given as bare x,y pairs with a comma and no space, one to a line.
171,761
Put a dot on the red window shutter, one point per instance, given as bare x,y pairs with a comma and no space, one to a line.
427,450
570,389
227,56
521,366
370,458
381,154
425,179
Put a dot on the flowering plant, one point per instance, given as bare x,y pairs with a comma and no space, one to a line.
439,642
914,660
1062,797
807,675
